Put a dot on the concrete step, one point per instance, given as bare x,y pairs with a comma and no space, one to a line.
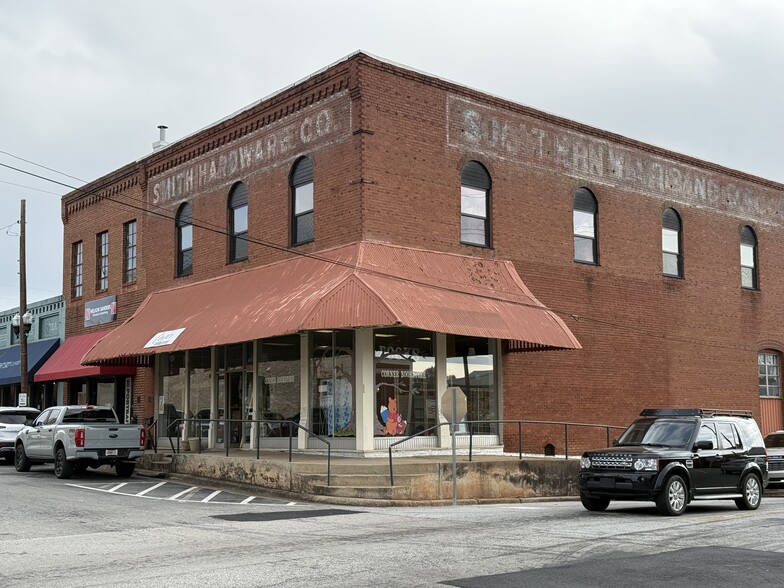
363,479
377,492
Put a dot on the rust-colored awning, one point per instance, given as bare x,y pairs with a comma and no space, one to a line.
66,362
365,284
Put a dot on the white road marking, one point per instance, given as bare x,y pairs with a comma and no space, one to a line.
117,487
176,496
211,496
247,500
150,489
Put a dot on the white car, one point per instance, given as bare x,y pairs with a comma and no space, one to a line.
12,420
774,444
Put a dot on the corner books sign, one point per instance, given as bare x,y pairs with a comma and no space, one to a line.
103,310
164,338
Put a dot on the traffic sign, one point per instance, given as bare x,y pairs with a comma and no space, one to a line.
455,410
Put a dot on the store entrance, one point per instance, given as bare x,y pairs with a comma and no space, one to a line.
238,407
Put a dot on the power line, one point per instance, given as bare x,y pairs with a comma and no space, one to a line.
42,166
30,188
166,214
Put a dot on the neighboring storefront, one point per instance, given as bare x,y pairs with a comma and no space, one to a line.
39,395
105,385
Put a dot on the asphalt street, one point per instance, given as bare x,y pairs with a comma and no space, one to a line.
98,530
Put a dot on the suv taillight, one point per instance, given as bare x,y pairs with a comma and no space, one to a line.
141,437
79,437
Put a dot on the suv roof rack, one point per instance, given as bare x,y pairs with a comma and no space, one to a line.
694,412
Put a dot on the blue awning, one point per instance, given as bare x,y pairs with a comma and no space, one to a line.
37,353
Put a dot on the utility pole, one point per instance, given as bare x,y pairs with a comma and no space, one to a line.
23,305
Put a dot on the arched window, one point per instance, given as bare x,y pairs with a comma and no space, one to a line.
672,259
748,258
302,202
475,204
586,249
184,225
238,222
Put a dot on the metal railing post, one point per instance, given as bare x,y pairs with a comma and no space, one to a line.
470,440
391,476
519,440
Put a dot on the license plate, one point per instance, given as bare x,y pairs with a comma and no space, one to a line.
111,452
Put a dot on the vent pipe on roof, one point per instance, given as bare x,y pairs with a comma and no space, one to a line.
161,142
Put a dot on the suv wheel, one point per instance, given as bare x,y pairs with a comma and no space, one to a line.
594,504
22,463
752,493
671,500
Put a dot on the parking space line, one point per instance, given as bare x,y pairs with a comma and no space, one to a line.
150,489
247,500
176,496
211,496
117,487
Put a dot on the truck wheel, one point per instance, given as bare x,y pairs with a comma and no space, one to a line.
63,468
752,493
594,504
21,462
124,469
671,500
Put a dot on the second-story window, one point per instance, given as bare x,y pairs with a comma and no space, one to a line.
129,236
586,249
77,251
672,260
184,225
238,223
302,202
475,204
748,258
102,261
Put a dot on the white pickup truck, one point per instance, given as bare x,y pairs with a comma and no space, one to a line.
77,437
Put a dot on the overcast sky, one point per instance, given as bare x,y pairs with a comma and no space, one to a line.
84,84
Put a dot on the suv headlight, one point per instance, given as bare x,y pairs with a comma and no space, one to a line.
646,464
585,463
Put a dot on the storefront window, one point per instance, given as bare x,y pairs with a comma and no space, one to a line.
201,390
471,366
279,385
172,393
405,381
332,389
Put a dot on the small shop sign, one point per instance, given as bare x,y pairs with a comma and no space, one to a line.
164,338
103,310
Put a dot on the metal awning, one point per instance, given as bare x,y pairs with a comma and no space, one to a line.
365,284
66,362
11,360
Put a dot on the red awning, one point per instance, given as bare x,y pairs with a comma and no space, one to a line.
365,284
65,363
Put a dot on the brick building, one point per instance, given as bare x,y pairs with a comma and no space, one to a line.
342,251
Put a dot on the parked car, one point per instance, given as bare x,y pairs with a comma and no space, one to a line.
78,437
674,456
774,442
12,420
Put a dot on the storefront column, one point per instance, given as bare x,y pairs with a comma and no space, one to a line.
444,438
186,401
213,429
304,391
254,408
364,407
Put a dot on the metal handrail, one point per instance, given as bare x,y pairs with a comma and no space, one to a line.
519,423
152,437
226,422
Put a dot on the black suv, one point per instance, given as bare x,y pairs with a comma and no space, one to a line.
674,456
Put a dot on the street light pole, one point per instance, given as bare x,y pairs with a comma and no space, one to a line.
23,305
